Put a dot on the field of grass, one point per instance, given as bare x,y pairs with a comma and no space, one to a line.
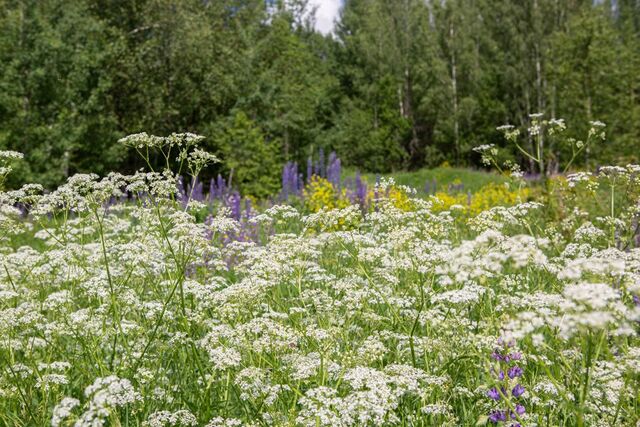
423,179
397,311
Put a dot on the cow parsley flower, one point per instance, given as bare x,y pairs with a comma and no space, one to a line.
63,410
182,418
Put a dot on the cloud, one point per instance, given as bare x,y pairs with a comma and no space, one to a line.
326,13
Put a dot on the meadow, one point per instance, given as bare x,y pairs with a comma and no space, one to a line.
143,300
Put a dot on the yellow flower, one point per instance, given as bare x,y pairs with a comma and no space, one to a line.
320,193
488,196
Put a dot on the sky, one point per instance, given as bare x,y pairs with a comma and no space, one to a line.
326,13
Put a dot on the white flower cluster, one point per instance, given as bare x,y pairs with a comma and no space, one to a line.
144,140
335,318
182,417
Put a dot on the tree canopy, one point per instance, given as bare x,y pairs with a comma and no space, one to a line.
401,84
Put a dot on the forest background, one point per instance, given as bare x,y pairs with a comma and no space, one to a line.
398,84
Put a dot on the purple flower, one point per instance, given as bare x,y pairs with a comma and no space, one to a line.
334,170
195,190
519,411
361,191
217,188
291,182
494,394
515,371
506,374
497,416
497,356
182,192
233,202
511,357
517,391
309,169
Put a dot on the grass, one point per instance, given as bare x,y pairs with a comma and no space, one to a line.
391,313
471,179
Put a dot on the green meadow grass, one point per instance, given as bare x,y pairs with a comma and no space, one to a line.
472,179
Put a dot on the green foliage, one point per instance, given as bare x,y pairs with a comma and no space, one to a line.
251,162
56,80
583,58
374,148
472,180
400,85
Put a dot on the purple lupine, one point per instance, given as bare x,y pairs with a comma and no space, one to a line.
497,416
195,191
455,188
309,169
289,177
427,187
493,394
286,180
292,177
250,230
243,234
517,391
248,211
332,157
217,189
513,356
212,189
520,410
291,181
222,186
351,193
182,192
514,372
507,357
209,232
296,181
506,361
334,170
468,198
234,202
434,185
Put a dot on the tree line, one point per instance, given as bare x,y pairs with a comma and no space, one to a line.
400,84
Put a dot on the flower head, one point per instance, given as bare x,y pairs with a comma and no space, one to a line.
494,394
518,391
514,372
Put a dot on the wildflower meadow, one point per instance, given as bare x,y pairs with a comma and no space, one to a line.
152,299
